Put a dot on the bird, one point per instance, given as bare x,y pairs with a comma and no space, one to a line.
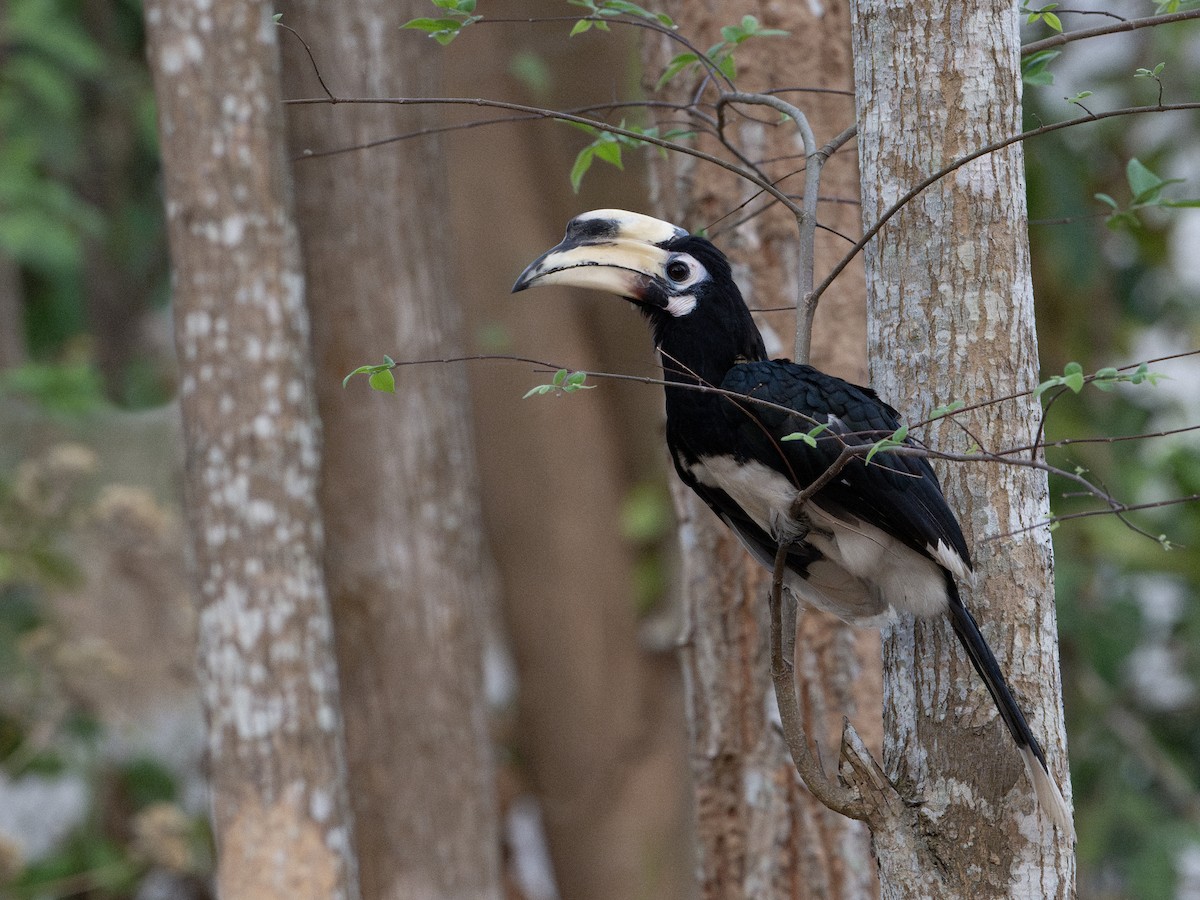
877,538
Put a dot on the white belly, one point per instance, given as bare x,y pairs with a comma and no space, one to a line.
864,571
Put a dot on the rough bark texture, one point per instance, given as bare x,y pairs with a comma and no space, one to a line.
760,833
952,319
280,810
406,565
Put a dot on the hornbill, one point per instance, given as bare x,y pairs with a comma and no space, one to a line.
877,536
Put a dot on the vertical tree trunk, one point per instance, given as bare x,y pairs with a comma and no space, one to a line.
951,318
597,728
760,833
406,563
280,810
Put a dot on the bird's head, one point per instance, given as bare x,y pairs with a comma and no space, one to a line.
681,282
672,276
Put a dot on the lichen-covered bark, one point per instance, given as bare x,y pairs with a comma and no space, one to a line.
760,833
280,810
951,318
407,569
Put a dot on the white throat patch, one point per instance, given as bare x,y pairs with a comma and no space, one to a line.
681,305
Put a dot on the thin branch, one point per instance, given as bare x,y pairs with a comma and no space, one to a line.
312,59
537,112
1125,25
435,130
1112,439
937,176
806,213
833,794
864,441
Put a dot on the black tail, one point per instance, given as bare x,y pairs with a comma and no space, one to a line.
984,661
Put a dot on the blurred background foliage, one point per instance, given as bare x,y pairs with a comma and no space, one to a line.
84,334
1109,294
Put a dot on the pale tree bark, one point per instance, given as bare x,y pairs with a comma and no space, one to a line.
760,833
408,572
281,815
951,318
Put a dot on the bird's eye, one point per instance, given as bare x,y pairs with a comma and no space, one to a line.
678,270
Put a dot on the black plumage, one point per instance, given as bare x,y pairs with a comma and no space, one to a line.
878,536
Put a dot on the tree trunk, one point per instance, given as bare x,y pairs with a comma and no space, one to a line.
774,840
280,811
951,318
597,726
408,572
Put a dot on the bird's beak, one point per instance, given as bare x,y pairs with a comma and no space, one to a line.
608,250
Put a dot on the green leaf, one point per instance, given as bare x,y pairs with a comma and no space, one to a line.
360,370
432,25
583,162
610,152
632,9
896,439
940,411
559,376
1074,381
809,437
1053,21
383,380
1144,184
1034,67
580,27
1104,198
677,65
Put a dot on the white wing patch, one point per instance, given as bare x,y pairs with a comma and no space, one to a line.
864,570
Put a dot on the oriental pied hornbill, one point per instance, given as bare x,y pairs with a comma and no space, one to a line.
879,535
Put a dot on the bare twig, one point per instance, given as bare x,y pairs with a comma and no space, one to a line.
537,112
806,212
937,176
1058,40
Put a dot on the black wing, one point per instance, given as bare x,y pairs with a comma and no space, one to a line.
898,493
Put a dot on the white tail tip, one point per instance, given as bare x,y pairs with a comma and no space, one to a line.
1049,797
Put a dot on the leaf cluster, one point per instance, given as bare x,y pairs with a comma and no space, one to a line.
563,382
456,15
1146,189
606,146
608,9
720,56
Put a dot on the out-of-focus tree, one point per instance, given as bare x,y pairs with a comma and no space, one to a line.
778,841
409,575
1112,292
281,813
